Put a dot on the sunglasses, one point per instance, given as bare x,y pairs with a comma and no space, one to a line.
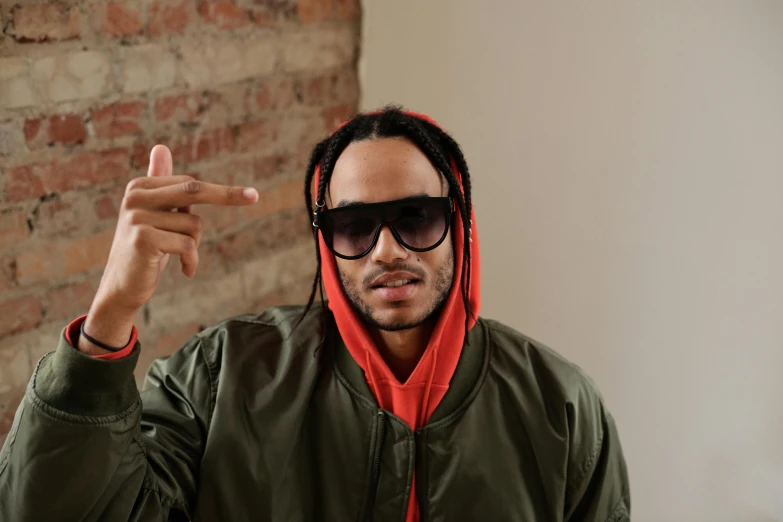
419,224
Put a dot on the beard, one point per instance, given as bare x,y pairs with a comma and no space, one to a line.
444,276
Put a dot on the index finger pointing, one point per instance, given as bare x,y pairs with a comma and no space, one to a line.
195,192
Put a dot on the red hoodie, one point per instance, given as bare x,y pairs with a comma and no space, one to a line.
415,399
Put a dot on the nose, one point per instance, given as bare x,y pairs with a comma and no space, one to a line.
387,250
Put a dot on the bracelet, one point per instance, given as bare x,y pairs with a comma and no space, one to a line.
98,343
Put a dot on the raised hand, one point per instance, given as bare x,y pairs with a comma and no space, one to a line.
156,221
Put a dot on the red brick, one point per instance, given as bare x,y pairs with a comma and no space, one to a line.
302,157
45,22
70,301
276,94
227,105
333,116
108,205
348,9
258,134
202,146
304,131
330,89
313,11
90,168
296,293
169,18
48,263
239,246
225,14
268,233
86,254
235,171
13,229
31,128
19,315
217,218
38,265
264,98
270,166
212,143
265,16
57,217
119,119
7,275
27,181
81,170
64,129
174,339
140,155
112,164
67,129
181,108
318,89
121,20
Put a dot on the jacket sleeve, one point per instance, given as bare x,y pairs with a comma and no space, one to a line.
598,488
86,446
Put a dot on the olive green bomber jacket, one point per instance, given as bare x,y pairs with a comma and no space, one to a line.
250,420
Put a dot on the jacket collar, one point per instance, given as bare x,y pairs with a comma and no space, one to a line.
471,367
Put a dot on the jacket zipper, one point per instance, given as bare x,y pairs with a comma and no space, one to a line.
376,465
417,444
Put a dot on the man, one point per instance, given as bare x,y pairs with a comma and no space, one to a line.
393,402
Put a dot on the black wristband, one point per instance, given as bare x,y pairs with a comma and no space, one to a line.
98,343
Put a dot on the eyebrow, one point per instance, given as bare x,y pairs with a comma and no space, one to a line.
350,203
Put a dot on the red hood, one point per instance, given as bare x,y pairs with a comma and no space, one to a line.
416,399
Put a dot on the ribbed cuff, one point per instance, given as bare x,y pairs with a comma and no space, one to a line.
72,332
76,383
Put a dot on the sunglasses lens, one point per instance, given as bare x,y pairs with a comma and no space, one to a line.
420,223
349,232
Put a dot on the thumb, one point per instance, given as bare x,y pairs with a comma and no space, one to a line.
160,161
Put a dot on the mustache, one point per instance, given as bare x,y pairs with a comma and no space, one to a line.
375,274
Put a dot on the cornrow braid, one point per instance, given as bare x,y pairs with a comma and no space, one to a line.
456,153
315,158
424,141
436,144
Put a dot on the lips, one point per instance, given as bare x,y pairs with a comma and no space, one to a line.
395,286
396,294
394,279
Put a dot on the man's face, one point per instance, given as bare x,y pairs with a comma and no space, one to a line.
387,169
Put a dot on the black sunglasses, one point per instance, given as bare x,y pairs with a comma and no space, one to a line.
419,224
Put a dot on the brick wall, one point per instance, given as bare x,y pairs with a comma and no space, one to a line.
239,90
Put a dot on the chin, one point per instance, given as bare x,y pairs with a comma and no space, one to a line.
395,320
394,316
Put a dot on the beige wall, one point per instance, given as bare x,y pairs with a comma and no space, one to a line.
627,161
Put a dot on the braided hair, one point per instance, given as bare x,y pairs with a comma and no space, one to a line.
442,151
